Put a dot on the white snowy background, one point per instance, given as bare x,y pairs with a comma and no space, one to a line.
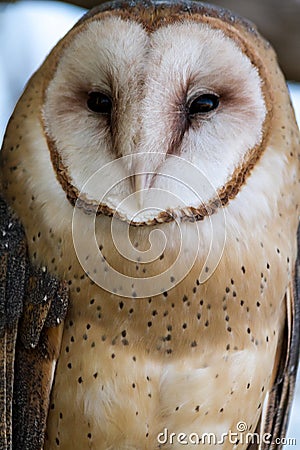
28,31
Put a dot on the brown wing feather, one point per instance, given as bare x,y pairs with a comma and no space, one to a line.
32,385
32,305
281,396
12,288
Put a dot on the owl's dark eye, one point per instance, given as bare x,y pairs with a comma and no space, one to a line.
99,103
203,104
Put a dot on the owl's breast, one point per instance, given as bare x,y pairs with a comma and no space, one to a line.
196,358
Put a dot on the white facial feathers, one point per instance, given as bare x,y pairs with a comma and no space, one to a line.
151,79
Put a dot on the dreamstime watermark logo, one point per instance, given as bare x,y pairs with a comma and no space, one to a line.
121,192
240,436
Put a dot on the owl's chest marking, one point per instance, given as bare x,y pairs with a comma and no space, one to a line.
131,367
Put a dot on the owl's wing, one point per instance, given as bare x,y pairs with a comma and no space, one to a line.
281,395
32,305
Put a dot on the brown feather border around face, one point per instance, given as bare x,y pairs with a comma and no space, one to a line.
153,15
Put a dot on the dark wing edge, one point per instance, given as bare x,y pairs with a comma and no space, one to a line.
282,393
33,305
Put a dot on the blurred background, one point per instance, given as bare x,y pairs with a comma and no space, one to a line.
29,29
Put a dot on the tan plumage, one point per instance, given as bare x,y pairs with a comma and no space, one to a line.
199,355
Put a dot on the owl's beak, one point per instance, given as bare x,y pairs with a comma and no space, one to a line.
144,170
140,182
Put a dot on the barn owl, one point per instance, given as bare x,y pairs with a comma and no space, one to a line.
149,214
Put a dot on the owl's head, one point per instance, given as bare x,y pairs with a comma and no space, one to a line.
167,104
